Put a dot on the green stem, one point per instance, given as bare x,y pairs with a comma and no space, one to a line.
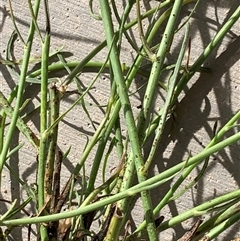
157,66
22,127
101,147
44,138
167,105
207,51
151,183
54,101
223,226
188,170
219,218
129,171
81,65
21,85
128,114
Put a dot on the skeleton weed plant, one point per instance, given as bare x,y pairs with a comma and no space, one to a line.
111,200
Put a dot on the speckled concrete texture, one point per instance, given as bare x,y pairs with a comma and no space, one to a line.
210,97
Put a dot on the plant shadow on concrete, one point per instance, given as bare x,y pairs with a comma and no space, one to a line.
92,203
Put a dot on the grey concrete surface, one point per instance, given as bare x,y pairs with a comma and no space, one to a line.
209,98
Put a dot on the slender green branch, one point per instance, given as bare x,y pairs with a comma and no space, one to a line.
207,51
8,109
219,218
14,23
21,85
202,209
34,19
150,183
157,66
129,167
145,45
44,139
54,99
81,65
128,114
118,192
168,103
